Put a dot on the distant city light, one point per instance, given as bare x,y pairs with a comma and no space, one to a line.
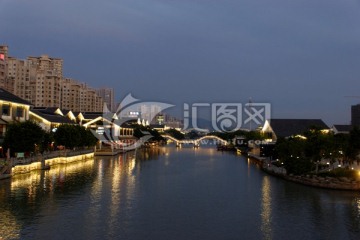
134,113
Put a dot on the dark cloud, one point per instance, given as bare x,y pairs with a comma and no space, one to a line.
302,56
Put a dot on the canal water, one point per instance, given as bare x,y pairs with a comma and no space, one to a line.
169,193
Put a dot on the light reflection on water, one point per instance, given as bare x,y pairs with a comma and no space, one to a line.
266,209
169,193
9,228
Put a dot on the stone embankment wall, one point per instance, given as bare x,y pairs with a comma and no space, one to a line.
326,182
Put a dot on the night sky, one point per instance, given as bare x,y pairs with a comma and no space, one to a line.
302,56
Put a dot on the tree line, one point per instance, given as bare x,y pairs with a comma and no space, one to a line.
301,155
29,137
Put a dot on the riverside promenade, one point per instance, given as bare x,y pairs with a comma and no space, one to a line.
13,166
341,183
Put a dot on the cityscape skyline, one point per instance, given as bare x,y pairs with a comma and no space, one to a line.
301,57
40,81
105,93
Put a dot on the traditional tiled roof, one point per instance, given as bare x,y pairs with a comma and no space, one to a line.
54,118
157,126
91,115
343,128
65,111
292,127
7,96
47,109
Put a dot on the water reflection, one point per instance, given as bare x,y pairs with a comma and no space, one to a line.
9,227
266,208
115,193
186,193
24,196
147,154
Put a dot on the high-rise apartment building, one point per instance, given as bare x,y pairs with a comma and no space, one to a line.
20,76
37,81
47,65
89,100
40,81
78,97
4,81
355,115
107,95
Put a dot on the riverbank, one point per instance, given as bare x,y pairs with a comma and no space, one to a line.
309,180
45,162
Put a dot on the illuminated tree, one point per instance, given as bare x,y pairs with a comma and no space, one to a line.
24,137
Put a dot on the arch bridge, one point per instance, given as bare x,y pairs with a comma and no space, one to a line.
196,142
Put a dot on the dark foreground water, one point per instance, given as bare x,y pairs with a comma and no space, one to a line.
170,193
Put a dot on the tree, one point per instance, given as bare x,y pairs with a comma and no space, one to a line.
336,146
249,135
254,135
68,136
318,144
192,135
72,136
47,140
353,147
89,140
292,153
300,154
175,133
140,131
24,137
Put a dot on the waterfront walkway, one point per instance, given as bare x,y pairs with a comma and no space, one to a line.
8,165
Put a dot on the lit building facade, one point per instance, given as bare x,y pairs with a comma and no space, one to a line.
20,77
40,81
5,83
78,97
44,63
12,108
